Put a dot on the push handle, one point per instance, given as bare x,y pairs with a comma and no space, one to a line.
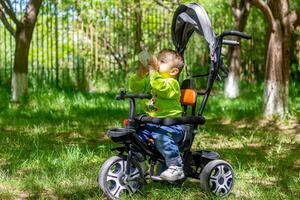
236,33
230,42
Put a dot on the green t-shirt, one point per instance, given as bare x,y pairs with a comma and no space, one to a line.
165,92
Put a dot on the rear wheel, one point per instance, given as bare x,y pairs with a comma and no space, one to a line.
217,177
113,180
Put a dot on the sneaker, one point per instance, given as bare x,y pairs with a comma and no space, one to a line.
173,173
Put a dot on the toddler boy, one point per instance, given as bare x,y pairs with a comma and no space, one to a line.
160,78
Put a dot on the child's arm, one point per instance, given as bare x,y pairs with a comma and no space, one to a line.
139,82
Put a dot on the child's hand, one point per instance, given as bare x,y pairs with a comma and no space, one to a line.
142,71
153,65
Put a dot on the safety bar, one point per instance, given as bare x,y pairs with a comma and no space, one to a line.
169,121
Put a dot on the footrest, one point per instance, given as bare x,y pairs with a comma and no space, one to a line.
207,154
122,135
154,178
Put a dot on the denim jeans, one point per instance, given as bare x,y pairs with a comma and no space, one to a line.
165,139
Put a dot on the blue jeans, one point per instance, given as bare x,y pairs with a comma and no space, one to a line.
165,139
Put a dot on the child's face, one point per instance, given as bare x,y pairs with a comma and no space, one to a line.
165,65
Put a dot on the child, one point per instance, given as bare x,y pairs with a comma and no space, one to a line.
160,78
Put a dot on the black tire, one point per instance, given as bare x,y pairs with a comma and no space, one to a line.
112,176
217,177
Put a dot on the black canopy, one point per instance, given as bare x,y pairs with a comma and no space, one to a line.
187,19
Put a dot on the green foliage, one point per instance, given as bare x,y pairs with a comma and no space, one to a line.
76,43
294,4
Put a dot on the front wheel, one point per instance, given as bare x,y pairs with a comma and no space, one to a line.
217,177
113,180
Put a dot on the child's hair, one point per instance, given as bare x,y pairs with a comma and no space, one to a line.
178,58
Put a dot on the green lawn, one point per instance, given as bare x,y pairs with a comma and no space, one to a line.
53,147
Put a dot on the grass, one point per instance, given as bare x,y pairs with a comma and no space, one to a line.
53,147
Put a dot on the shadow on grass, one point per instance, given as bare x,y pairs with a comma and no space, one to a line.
43,166
53,147
257,169
264,156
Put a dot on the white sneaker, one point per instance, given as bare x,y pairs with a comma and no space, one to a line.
173,173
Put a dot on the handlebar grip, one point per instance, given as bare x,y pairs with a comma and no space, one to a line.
144,96
231,42
237,33
119,97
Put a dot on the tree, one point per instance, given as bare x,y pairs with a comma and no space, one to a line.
241,12
282,23
138,14
22,31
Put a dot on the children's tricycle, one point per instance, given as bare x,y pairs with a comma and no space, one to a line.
126,172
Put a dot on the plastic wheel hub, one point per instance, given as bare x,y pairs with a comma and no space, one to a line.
221,180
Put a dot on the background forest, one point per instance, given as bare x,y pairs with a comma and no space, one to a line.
52,132
72,37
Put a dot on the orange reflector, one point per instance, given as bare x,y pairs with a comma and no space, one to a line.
125,122
188,97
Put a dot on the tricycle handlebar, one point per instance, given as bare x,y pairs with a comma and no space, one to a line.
123,96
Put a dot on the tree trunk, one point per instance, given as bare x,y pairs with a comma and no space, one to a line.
23,36
241,13
232,82
277,74
282,23
19,82
138,12
276,90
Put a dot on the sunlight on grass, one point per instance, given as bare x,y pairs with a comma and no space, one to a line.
53,147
